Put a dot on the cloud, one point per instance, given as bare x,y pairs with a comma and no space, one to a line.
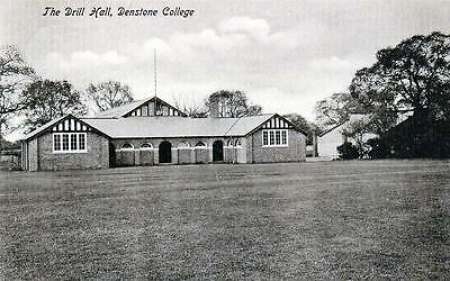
331,64
237,53
259,30
81,59
231,38
232,34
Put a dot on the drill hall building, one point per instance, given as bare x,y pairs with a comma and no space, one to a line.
153,132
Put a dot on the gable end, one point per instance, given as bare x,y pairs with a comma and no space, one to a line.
278,122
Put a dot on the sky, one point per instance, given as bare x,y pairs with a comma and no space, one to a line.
286,55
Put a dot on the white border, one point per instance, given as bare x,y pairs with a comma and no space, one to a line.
70,151
268,136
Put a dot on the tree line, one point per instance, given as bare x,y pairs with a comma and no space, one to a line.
38,100
412,78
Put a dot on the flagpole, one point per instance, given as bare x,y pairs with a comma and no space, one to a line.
154,70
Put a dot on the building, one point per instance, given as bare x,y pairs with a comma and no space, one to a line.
328,141
417,136
152,132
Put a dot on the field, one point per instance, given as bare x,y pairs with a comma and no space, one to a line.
357,220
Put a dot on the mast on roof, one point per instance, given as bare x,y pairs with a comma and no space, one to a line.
154,70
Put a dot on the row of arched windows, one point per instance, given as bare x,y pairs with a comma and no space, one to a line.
231,142
234,142
150,146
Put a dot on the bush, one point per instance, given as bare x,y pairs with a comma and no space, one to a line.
378,149
348,151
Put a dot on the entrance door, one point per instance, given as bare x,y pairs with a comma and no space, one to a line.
218,151
165,152
112,155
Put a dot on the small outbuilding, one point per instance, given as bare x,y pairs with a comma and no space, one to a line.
331,139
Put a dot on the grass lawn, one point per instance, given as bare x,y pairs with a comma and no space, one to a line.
356,220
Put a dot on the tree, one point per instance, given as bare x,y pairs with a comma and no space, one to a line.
190,107
300,122
225,103
336,109
348,151
413,76
109,94
47,100
14,76
357,130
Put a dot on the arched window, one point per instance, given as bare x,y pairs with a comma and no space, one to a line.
230,142
127,146
238,142
200,143
147,146
183,144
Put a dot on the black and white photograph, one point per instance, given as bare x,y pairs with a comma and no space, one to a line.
224,140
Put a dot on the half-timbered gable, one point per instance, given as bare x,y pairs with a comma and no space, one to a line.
156,107
65,143
277,122
275,132
150,107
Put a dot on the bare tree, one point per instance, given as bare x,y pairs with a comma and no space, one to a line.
226,103
335,110
110,94
190,107
15,74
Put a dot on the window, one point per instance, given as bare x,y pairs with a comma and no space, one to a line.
275,137
265,137
73,142
284,137
65,142
69,142
201,144
127,146
57,142
82,141
147,146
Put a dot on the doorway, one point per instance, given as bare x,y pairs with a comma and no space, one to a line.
165,152
112,155
218,151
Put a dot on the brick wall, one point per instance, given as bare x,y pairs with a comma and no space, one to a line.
185,155
97,155
146,157
294,152
201,155
180,154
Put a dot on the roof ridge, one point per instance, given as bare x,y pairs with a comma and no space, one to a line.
118,108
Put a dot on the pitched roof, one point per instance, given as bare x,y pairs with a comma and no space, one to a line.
351,119
122,110
54,125
332,129
160,127
44,127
